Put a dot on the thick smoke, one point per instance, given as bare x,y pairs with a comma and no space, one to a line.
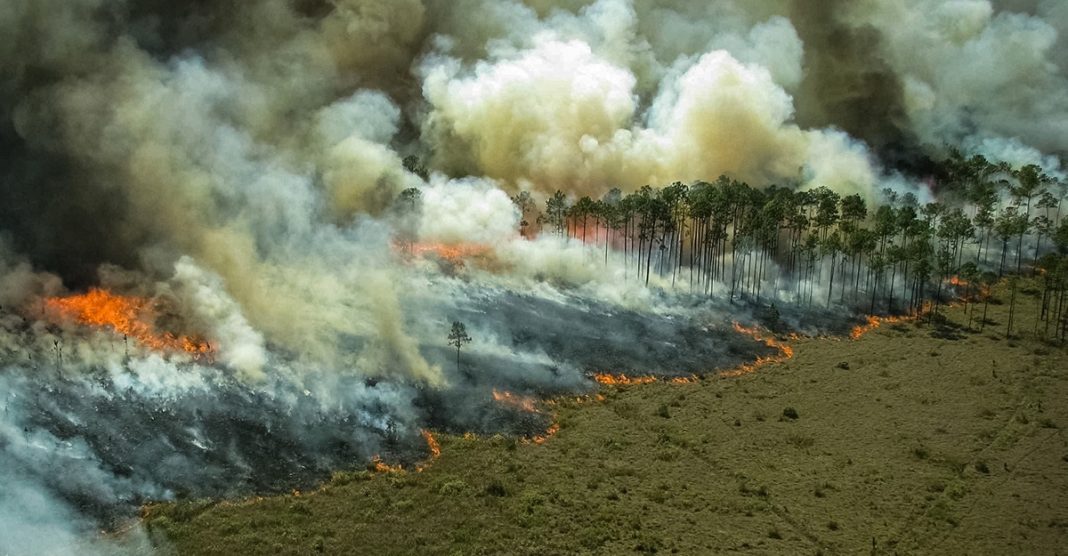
243,166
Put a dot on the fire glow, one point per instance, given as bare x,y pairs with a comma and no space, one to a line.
607,379
522,403
549,433
133,317
872,324
453,253
379,466
785,351
432,446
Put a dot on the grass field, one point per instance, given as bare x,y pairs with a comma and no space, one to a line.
912,439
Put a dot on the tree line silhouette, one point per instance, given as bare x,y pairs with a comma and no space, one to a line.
726,237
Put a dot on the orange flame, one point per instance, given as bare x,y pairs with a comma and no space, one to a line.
453,253
522,403
872,324
786,351
132,317
431,444
549,433
622,379
379,466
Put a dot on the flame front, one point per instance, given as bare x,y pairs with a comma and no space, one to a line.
622,379
873,323
522,403
431,444
549,433
379,466
452,252
786,351
132,317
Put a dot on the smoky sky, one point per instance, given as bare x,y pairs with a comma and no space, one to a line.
69,207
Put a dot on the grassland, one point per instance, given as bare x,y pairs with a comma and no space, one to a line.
914,439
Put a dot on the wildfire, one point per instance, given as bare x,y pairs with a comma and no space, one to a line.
379,466
453,253
622,379
522,403
133,317
873,323
957,281
549,433
786,351
431,444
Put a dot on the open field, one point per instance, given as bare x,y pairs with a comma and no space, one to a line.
912,439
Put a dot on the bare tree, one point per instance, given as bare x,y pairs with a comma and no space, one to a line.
458,338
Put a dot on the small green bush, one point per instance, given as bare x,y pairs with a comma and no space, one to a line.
496,488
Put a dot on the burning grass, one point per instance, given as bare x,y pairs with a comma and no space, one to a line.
132,317
621,477
608,379
527,404
785,351
454,253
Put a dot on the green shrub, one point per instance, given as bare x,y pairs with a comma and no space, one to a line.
496,488
452,488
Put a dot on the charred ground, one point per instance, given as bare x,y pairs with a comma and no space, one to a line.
915,438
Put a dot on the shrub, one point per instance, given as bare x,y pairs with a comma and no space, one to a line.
451,488
496,488
790,413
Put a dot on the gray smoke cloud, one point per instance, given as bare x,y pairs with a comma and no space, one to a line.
238,164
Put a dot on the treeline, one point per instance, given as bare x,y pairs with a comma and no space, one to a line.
728,237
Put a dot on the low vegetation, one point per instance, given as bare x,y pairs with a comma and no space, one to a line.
697,468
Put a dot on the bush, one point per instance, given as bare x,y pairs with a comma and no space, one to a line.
790,413
496,488
451,488
663,411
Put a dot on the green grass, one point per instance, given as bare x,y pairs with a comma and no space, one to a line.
941,463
